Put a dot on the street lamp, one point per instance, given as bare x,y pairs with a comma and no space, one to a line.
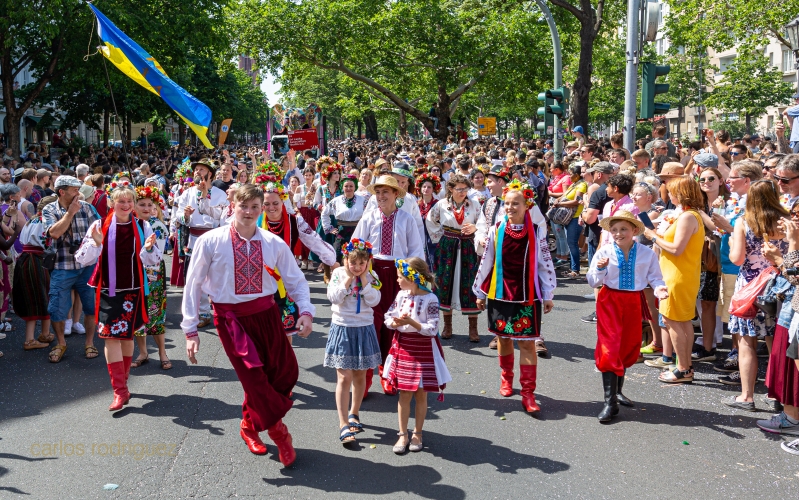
792,34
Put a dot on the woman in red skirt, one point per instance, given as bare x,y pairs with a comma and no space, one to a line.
415,364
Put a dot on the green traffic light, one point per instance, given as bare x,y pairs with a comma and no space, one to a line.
649,89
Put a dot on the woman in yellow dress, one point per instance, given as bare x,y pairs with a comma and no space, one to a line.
681,264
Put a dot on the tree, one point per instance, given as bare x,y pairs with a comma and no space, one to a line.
422,51
606,102
749,86
687,75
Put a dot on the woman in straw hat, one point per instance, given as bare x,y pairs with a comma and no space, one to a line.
623,268
393,235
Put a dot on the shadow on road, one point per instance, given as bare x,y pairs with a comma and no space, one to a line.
192,412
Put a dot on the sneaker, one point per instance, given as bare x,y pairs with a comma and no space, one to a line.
728,365
733,378
762,350
78,328
772,404
561,263
68,327
652,350
589,296
696,322
658,362
732,402
779,424
591,318
2,336
792,447
702,355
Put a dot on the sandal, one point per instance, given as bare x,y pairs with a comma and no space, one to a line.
57,353
204,322
46,339
31,344
677,376
416,447
346,436
401,449
166,364
355,425
90,352
138,362
570,274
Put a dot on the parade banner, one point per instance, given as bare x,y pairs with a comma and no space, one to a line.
223,131
303,139
140,66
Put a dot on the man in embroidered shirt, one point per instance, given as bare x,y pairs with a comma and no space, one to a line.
247,319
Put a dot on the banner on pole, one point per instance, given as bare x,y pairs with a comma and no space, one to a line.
303,139
223,131
486,125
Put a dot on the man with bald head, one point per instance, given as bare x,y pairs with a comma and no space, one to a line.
25,189
5,176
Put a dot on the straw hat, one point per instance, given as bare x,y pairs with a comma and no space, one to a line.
621,215
671,170
387,180
205,162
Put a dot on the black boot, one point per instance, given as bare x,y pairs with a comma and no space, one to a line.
609,381
623,400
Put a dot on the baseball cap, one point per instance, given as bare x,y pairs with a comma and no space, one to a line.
578,129
706,160
603,167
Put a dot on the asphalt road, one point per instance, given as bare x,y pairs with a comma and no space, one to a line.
179,438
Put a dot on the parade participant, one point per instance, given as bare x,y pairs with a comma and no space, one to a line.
200,209
32,281
148,208
415,365
623,268
451,224
330,173
303,199
391,233
291,229
341,215
403,174
179,233
352,346
228,214
427,185
515,282
242,287
121,245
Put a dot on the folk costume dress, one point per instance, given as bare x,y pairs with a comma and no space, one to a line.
177,275
307,212
457,259
31,279
156,279
346,212
322,197
621,304
416,359
292,229
119,277
241,277
430,248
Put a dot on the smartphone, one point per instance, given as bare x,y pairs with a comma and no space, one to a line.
644,217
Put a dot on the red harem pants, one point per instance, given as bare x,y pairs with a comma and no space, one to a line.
254,340
387,274
618,328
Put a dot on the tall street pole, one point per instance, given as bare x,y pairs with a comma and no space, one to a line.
631,76
553,30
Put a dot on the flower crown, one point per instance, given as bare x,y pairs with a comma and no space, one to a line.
270,184
328,170
120,175
115,184
356,244
183,173
503,173
520,187
411,273
325,159
151,193
350,177
428,177
270,168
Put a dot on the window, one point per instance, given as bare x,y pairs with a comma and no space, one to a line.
659,46
771,59
787,60
725,63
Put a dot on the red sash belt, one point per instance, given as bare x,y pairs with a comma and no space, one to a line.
32,249
198,231
242,343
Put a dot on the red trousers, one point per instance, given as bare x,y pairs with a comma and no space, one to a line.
618,329
254,340
387,274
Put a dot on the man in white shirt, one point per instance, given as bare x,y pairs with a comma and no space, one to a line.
403,174
242,267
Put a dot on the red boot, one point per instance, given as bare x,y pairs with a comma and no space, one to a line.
388,389
527,379
118,382
506,378
251,438
279,433
370,373
127,360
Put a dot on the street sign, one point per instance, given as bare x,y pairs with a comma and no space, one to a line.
486,125
550,129
303,139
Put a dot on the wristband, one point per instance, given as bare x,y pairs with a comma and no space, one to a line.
306,313
150,250
601,268
191,335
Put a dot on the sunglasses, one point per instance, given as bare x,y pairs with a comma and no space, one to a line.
709,178
794,213
784,180
733,153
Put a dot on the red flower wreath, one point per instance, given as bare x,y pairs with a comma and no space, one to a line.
428,177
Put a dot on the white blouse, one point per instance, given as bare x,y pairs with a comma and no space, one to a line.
207,211
345,302
442,215
213,271
314,242
34,233
405,239
643,270
339,209
409,204
420,308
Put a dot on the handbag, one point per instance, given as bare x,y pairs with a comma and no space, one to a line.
562,215
48,258
768,302
710,255
742,304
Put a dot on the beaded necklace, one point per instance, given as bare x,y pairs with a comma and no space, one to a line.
349,202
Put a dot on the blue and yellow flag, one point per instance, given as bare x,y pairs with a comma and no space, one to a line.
135,62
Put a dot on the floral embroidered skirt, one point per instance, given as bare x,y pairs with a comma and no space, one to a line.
118,317
514,320
352,348
455,273
156,302
289,313
327,238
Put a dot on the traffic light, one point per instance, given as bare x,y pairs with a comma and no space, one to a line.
560,105
542,112
649,89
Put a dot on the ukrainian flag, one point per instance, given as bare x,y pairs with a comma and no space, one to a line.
135,62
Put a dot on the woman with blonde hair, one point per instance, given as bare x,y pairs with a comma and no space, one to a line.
681,263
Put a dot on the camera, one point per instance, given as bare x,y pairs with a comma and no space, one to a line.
791,271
